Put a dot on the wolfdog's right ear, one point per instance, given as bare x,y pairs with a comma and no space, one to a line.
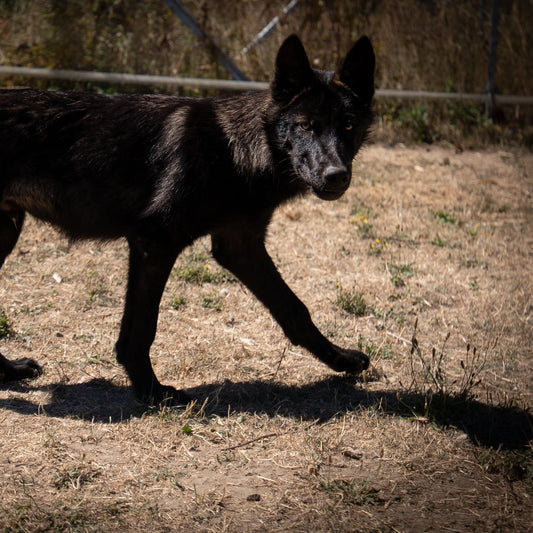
293,72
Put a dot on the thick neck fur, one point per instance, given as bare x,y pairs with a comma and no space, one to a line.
242,119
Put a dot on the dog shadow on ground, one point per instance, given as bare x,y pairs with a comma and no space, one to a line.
497,426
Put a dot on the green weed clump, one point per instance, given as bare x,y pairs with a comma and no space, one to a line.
178,302
399,272
438,241
5,327
198,270
213,301
352,302
445,218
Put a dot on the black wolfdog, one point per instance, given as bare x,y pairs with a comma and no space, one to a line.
163,171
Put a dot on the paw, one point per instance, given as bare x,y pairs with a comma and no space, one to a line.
19,369
349,361
163,396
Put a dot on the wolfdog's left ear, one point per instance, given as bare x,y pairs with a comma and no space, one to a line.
357,71
293,72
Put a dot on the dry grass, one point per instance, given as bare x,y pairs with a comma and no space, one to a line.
275,441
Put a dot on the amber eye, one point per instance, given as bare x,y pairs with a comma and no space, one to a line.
348,126
306,126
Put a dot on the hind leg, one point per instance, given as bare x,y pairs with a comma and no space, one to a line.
11,220
18,369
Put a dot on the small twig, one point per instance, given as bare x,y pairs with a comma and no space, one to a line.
398,337
279,364
268,436
507,380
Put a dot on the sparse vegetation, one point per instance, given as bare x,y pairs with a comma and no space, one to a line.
352,302
361,219
97,290
213,301
375,352
5,328
178,302
416,119
197,269
353,492
431,379
437,241
274,438
445,218
397,273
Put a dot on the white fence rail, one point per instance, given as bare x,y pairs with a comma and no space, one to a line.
232,85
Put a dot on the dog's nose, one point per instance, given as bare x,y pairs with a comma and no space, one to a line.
336,177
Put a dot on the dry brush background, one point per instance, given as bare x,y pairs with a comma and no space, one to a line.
435,45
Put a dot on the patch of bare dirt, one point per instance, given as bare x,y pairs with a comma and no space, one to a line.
275,441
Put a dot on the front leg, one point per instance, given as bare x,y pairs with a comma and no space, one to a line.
149,267
241,249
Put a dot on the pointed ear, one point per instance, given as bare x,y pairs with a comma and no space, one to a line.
293,72
357,71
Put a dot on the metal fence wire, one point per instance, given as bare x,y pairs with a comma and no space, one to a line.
234,85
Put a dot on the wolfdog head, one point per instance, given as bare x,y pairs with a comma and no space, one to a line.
322,117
